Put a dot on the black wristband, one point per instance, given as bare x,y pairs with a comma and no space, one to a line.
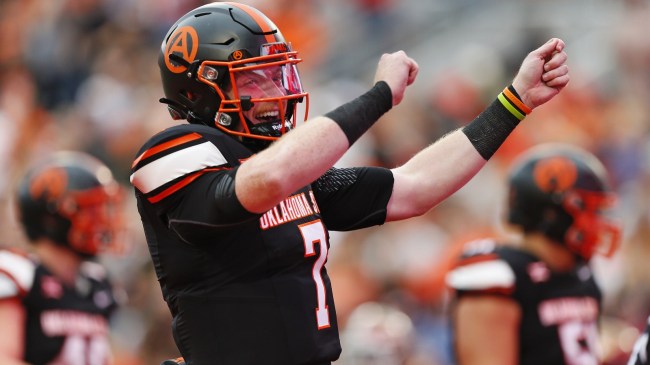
358,115
489,130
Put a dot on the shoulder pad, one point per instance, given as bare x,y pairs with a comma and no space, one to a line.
16,274
482,272
173,159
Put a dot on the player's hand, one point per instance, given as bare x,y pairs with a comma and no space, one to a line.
543,74
176,361
399,71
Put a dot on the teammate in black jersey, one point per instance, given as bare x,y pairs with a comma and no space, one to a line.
236,205
55,302
537,302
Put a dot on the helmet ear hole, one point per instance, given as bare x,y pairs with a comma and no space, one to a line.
175,113
189,96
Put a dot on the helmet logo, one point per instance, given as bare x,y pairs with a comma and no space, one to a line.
50,184
185,43
555,174
237,55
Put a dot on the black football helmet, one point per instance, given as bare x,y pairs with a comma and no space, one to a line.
72,199
227,65
563,192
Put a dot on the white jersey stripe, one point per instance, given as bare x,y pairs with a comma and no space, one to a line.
20,268
7,287
175,165
482,275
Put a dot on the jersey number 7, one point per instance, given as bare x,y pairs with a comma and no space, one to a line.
313,233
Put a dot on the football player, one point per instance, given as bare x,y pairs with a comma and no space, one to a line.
55,300
537,302
236,204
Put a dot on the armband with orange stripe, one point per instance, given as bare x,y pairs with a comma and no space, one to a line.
489,130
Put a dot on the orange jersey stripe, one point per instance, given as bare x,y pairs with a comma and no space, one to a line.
253,13
165,146
515,100
179,185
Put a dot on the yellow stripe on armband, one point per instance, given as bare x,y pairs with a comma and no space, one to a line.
511,107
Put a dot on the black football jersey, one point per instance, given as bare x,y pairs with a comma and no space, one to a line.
560,310
64,324
641,349
246,288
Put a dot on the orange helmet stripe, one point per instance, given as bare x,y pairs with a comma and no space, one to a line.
261,21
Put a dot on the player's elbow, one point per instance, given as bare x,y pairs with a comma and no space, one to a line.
274,187
419,206
403,207
260,190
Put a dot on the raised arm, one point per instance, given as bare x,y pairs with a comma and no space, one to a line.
445,166
304,154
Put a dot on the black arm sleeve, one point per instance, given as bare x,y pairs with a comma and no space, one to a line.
353,198
226,201
209,204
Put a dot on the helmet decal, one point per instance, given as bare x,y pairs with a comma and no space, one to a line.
556,174
49,184
237,55
185,43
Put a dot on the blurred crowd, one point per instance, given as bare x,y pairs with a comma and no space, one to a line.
83,75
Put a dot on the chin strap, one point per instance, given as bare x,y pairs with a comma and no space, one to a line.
179,111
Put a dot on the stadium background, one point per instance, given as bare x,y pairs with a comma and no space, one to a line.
82,74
